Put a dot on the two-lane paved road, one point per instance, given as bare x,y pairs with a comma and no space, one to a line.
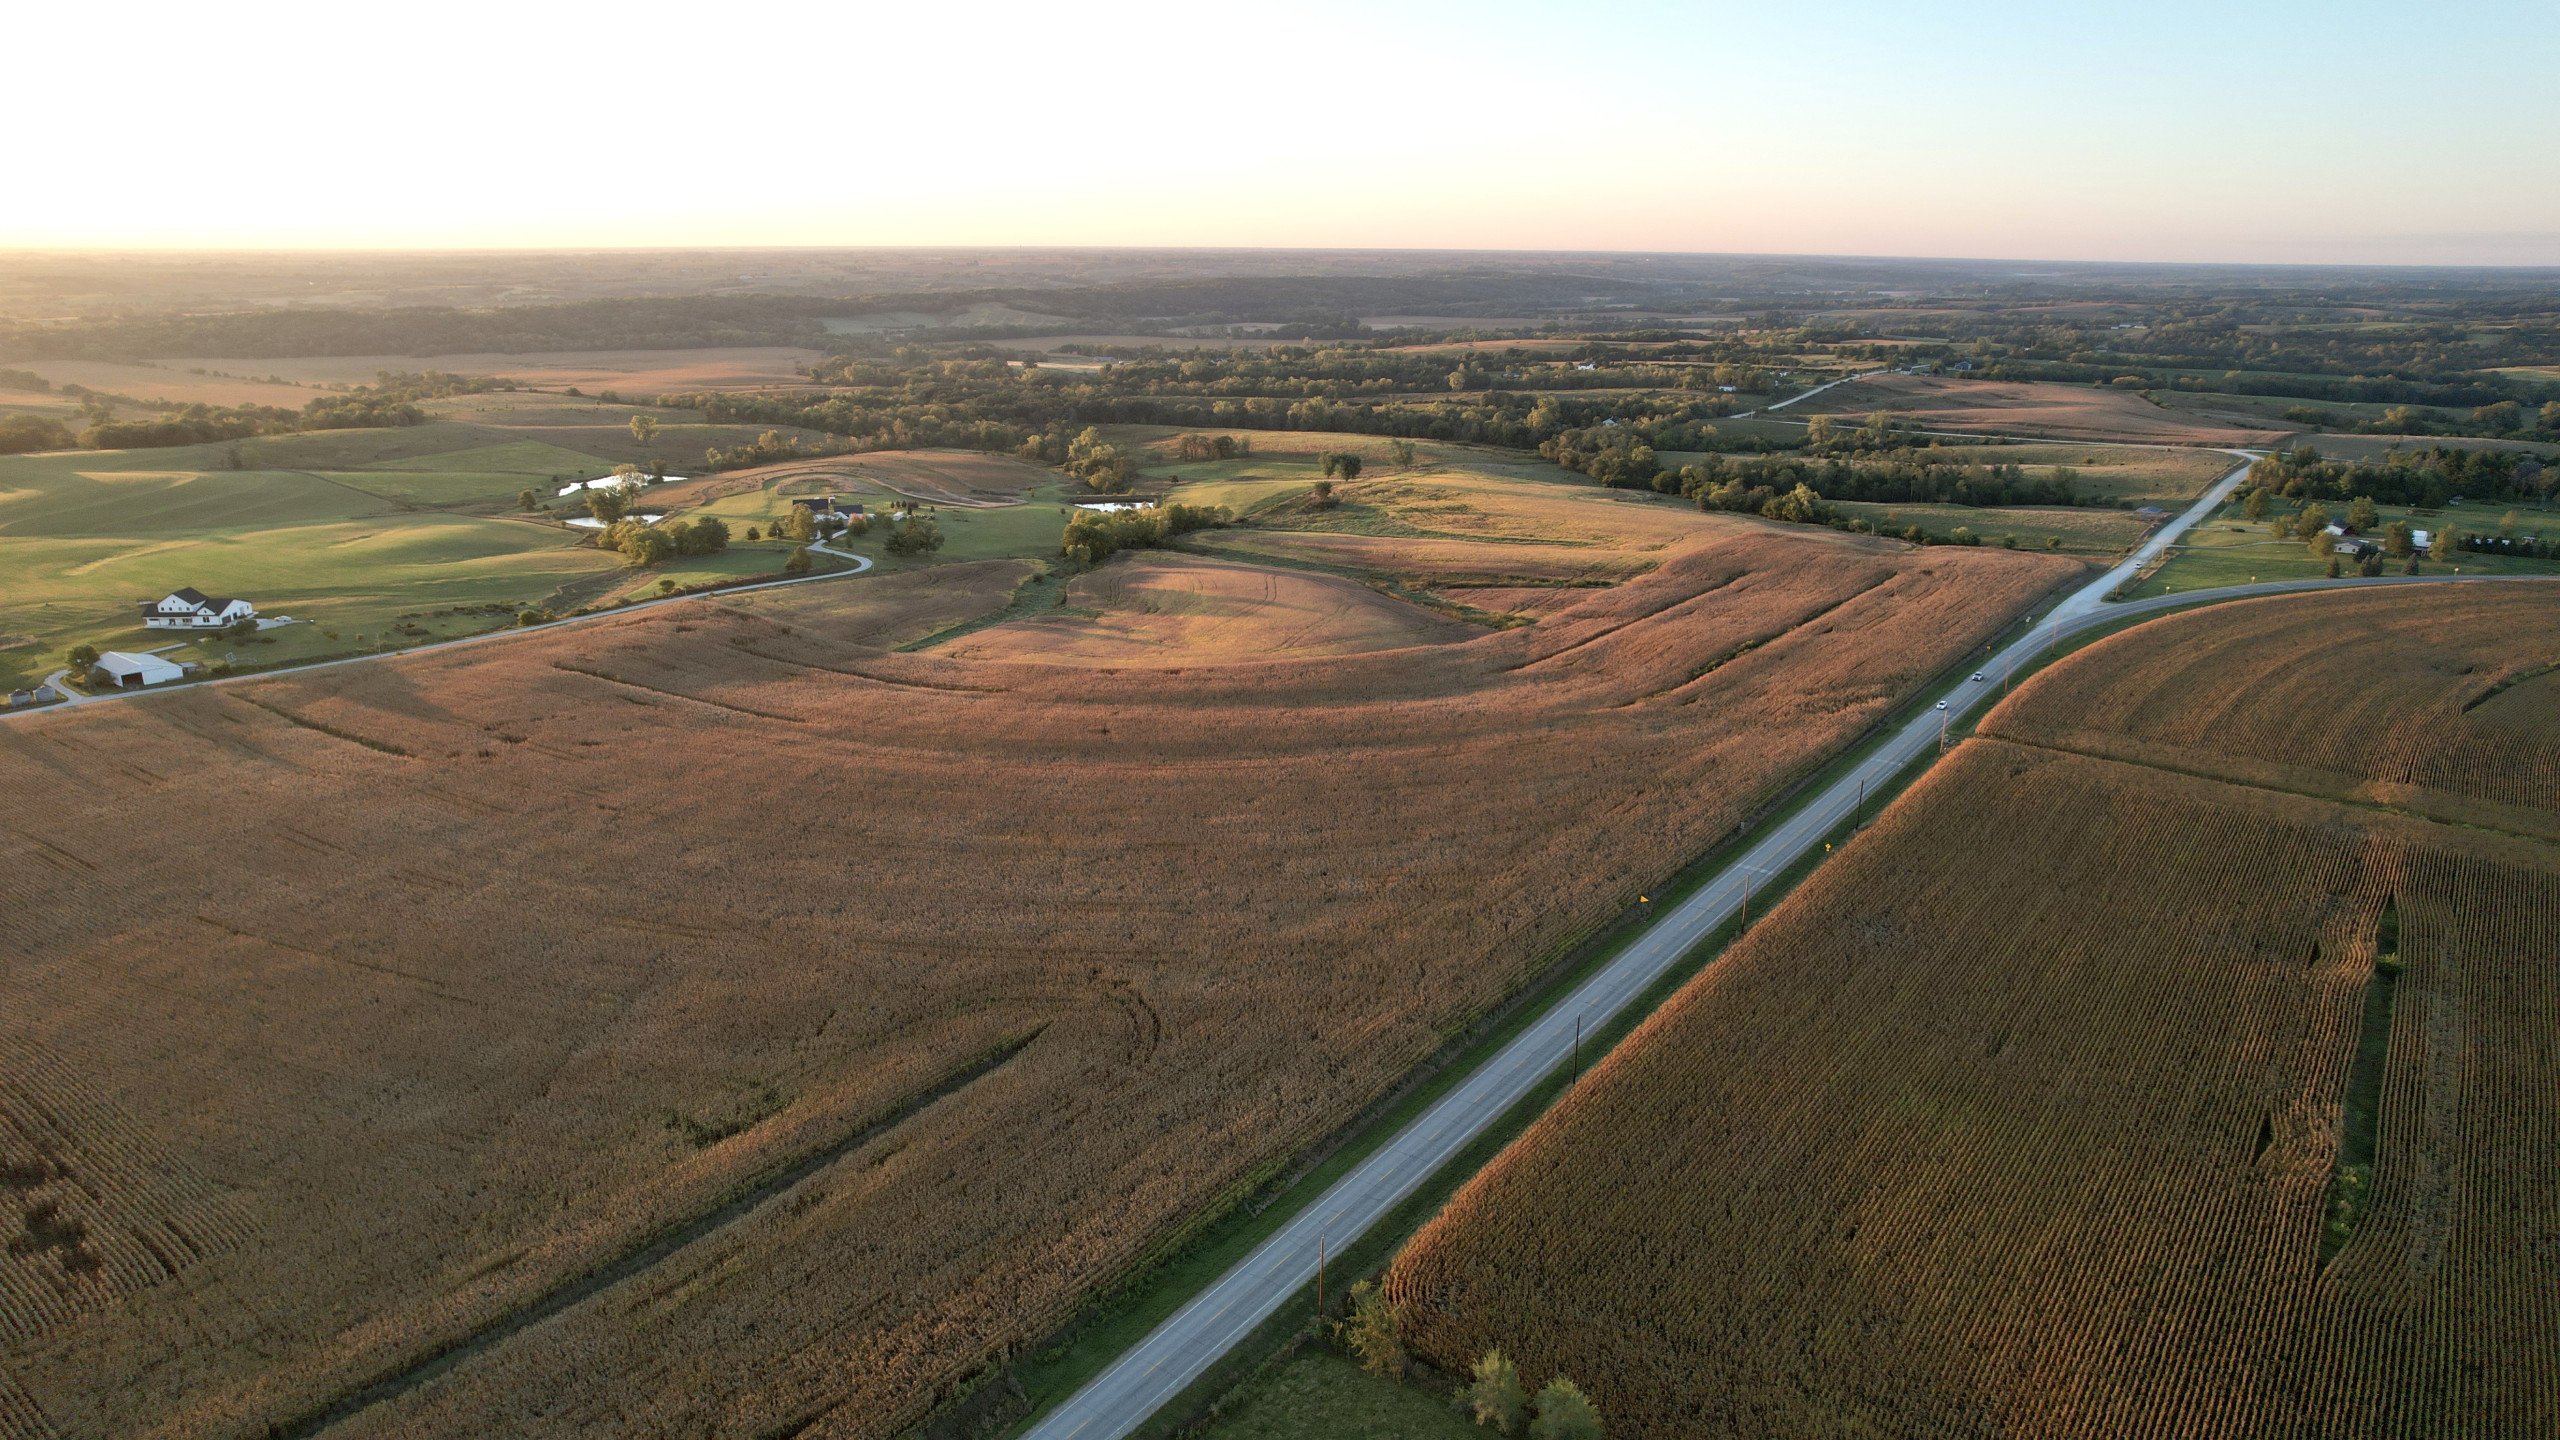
1180,1349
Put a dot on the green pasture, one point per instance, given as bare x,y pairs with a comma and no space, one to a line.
2078,531
321,527
2232,550
1316,1394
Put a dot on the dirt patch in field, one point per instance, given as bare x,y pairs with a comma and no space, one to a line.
2079,412
1181,610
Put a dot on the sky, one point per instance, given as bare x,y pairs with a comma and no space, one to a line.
2243,130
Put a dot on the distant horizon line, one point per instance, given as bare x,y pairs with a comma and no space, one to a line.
16,252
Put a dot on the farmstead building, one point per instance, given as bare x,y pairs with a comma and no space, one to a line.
124,670
192,609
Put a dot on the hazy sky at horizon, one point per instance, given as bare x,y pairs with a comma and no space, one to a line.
2283,130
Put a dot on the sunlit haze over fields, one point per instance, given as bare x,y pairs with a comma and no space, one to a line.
2184,131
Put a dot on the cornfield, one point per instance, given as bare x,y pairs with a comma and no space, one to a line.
348,1015
2024,1115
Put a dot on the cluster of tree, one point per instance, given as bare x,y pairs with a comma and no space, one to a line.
1931,475
1100,464
2425,479
1345,463
2336,389
24,380
1493,1396
765,449
1881,430
1212,447
1608,453
190,425
642,545
624,323
20,434
1093,536
949,404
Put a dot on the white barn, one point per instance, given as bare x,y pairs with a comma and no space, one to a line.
616,482
123,670
192,609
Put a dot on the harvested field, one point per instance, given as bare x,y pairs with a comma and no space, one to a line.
415,992
175,381
630,372
2025,1115
1169,609
2078,412
2450,708
1438,526
1532,600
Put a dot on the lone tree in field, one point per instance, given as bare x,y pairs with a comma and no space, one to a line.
798,564
917,535
644,428
799,526
1564,1413
2399,538
1402,450
526,500
2362,513
82,657
1322,499
1371,1332
1494,1397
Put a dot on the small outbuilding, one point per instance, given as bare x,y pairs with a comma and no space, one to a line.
126,670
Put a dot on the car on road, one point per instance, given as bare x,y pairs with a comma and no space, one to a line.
1942,704
1977,677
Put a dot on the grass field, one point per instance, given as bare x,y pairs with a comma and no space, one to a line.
1315,1394
2076,412
2231,550
86,534
2016,1120
905,948
2076,531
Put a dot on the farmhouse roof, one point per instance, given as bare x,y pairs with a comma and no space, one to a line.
190,594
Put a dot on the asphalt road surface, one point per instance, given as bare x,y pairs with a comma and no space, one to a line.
1180,1349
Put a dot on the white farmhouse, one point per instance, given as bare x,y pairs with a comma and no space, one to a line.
123,670
192,609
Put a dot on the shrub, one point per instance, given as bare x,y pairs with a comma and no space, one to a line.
1564,1413
1494,1397
1371,1333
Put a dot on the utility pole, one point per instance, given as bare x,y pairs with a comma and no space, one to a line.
1319,1277
1577,1047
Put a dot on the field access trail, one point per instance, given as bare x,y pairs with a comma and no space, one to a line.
72,698
1178,1351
